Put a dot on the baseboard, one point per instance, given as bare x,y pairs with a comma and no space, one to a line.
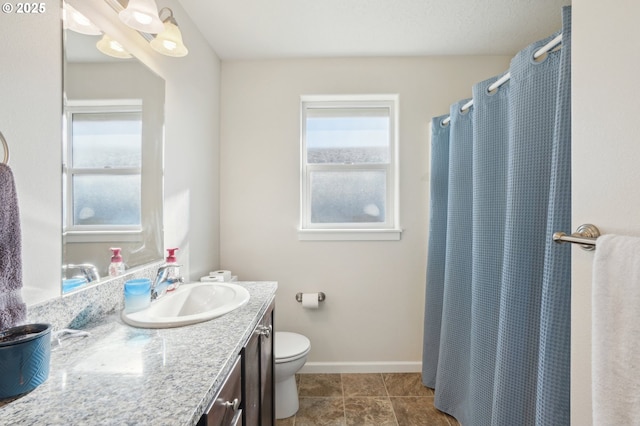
361,367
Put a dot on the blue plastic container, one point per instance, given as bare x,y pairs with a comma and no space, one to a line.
137,294
25,354
70,284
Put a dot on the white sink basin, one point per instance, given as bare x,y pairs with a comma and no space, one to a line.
189,304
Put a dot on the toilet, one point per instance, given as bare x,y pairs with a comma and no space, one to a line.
291,351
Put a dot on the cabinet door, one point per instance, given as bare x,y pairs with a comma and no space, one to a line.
225,409
251,380
257,373
267,365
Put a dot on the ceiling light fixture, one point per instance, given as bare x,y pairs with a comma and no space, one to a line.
142,15
169,42
76,21
110,47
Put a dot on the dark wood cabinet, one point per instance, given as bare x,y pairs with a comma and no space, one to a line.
247,396
267,366
258,365
226,407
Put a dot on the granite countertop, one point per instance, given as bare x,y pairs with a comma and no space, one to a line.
121,375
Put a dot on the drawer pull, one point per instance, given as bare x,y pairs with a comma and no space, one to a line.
233,404
237,418
264,330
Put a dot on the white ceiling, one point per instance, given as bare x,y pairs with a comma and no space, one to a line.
252,29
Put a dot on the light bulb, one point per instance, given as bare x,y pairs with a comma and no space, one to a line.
76,21
113,48
169,45
142,15
143,18
80,19
169,42
116,46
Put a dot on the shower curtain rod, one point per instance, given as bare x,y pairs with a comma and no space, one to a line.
499,82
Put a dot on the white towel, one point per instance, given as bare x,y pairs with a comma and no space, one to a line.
616,331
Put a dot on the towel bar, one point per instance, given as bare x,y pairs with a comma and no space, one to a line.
5,147
585,235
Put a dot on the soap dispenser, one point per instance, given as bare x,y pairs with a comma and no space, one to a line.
116,267
173,272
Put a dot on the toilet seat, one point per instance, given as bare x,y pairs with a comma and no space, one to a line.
290,346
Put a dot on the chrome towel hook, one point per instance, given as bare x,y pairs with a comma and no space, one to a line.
5,147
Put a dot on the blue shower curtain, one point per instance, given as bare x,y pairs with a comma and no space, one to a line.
497,311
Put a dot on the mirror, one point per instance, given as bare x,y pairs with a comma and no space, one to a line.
113,129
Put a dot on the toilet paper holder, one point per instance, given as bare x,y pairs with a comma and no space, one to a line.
321,297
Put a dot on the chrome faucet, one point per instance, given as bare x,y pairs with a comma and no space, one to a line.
163,276
89,271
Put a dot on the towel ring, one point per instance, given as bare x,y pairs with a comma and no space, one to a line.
6,149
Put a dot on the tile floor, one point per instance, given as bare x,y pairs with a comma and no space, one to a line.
388,399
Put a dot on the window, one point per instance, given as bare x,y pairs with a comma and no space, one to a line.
103,168
349,168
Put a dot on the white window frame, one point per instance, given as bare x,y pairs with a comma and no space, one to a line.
94,233
383,231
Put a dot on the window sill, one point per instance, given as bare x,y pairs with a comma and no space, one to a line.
349,234
102,236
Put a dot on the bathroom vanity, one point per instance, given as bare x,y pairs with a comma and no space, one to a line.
247,396
175,376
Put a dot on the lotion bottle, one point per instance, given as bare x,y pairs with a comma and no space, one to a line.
116,267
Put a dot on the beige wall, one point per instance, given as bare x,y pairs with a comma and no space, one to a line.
372,318
30,118
192,151
606,154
